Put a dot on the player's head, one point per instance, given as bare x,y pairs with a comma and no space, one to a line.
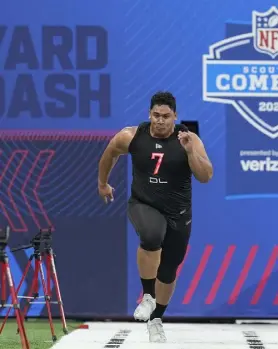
162,113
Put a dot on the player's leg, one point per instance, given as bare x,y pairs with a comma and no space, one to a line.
150,226
173,251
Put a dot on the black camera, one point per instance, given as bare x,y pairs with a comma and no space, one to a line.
4,235
36,242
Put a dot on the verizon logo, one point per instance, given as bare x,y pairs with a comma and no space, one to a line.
267,165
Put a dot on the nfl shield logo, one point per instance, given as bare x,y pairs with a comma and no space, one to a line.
265,31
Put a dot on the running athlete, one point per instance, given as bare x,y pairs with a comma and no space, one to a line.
164,157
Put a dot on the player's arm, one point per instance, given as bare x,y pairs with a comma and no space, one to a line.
117,146
199,162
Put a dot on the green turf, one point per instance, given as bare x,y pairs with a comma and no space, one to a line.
38,332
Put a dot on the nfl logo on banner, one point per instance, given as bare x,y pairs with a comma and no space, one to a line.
265,31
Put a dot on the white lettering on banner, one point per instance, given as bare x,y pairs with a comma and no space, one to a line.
271,152
256,152
241,82
266,165
268,106
259,70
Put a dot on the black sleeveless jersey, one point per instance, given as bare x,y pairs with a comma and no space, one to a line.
161,173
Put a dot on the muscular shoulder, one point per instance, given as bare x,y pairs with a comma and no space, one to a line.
126,135
121,141
129,131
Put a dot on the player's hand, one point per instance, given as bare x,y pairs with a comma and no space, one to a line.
106,192
186,140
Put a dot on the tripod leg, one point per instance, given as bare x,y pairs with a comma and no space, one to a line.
17,291
3,291
36,280
51,261
47,301
32,290
3,283
48,276
24,341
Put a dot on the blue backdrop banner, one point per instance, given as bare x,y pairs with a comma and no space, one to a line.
72,74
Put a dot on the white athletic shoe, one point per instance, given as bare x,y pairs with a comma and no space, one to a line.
145,308
156,331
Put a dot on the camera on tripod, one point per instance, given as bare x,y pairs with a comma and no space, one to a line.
42,237
4,235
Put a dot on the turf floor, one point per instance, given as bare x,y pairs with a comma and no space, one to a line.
38,332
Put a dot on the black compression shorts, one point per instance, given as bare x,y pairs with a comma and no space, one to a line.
157,230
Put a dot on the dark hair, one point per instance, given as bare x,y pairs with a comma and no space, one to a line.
164,98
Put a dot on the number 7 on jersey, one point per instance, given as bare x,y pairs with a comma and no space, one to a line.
159,157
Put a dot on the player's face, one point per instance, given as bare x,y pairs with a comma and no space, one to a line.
162,120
